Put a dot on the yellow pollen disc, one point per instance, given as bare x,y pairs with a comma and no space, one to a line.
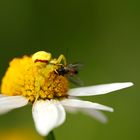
24,77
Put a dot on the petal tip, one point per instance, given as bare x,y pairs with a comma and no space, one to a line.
128,84
111,110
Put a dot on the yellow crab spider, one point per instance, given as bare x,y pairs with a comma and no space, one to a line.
43,56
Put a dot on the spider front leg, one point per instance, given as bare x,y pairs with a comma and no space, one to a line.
60,59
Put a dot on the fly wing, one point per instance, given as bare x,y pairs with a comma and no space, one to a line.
75,80
76,66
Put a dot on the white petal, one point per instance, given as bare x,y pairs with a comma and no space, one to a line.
62,114
8,103
71,109
98,115
47,115
84,104
98,89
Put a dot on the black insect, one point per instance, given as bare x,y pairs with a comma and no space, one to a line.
71,71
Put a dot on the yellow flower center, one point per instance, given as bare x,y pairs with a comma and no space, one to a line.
34,78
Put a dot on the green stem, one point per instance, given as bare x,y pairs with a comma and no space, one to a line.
50,136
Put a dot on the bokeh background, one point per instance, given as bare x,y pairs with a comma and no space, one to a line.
102,35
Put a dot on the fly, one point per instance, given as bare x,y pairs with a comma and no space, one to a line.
71,71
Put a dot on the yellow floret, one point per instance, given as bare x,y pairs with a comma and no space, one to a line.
33,80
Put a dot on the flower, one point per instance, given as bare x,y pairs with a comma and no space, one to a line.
42,81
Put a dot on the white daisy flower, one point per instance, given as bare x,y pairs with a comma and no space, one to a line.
43,82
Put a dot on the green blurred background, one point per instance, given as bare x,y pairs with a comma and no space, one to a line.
103,35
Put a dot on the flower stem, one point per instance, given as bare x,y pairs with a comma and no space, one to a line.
50,136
